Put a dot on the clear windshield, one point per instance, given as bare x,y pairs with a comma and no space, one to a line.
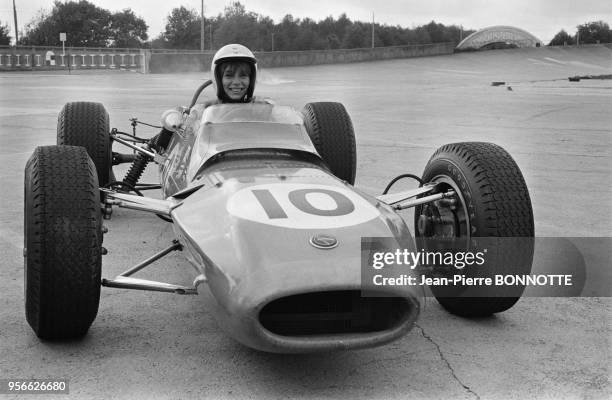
251,112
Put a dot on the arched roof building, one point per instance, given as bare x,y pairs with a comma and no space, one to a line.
508,35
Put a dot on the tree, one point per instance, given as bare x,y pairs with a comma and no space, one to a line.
159,42
387,36
421,36
308,36
355,37
342,25
85,24
437,32
326,30
127,30
593,32
5,38
266,29
288,31
239,26
333,42
183,29
562,38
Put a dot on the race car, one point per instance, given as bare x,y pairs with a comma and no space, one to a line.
262,203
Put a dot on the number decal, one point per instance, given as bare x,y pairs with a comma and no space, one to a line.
301,206
343,204
269,203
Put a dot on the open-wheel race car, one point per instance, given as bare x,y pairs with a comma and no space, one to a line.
262,203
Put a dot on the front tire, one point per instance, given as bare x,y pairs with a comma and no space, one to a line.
331,131
63,239
87,124
492,207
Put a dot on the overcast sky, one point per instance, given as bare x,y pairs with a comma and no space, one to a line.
543,18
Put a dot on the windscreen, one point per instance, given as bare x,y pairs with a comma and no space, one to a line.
251,112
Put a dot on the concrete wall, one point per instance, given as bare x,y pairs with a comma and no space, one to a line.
179,62
163,62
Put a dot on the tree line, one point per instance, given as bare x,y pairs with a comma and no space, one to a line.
88,25
587,33
237,25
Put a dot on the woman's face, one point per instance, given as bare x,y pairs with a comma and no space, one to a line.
236,80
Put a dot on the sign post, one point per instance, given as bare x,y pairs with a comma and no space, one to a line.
63,40
202,28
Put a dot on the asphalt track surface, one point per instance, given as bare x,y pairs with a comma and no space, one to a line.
151,345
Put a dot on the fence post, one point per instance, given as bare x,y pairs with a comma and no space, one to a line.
145,56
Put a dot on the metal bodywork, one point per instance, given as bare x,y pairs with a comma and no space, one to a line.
250,198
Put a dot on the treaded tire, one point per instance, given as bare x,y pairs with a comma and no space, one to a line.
498,206
62,240
331,131
87,124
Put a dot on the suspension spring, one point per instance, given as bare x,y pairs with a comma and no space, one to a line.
136,169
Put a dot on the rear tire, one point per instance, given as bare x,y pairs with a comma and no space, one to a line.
494,209
331,131
63,239
86,124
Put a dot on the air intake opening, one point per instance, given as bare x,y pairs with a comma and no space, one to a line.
333,312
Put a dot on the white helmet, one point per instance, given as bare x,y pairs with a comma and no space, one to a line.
233,52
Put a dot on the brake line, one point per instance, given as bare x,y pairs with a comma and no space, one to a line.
397,178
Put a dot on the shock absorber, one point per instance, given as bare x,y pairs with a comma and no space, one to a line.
136,169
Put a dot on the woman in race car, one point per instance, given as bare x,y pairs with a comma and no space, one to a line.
234,72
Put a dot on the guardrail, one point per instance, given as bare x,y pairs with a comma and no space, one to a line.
29,58
33,48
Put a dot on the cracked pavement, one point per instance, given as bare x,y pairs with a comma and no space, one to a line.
445,360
